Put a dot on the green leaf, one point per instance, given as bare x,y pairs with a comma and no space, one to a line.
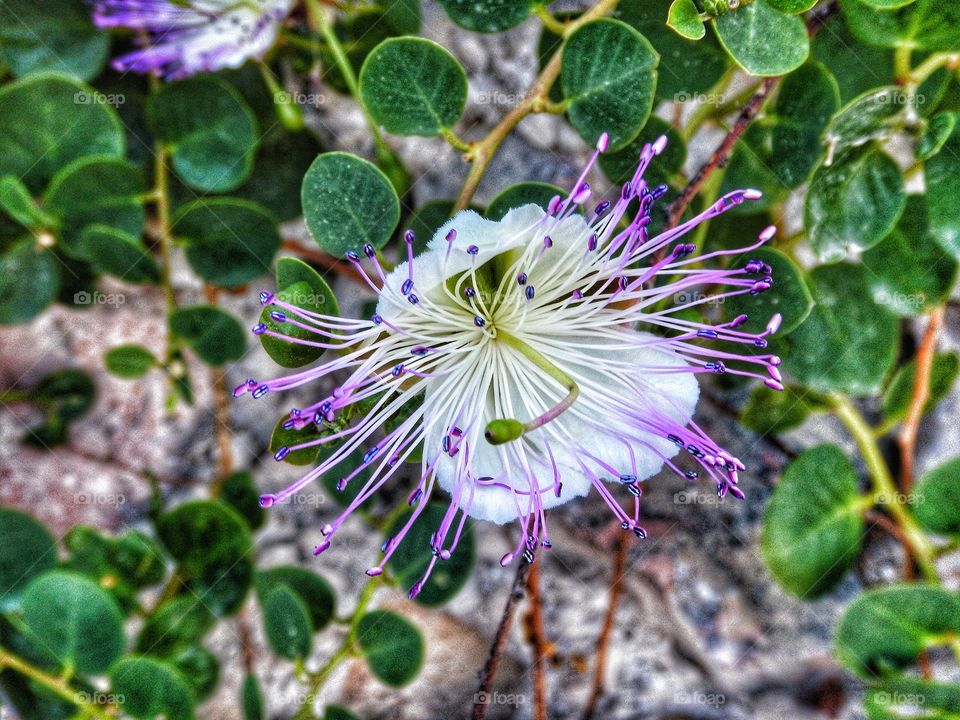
286,623
129,361
608,75
935,135
813,524
413,556
348,202
403,16
55,36
487,16
831,357
687,68
229,242
26,549
886,628
289,437
784,45
239,492
213,548
73,620
904,697
887,4
281,162
909,273
922,25
28,281
199,668
942,175
214,335
100,191
47,121
935,499
315,592
789,296
16,201
116,253
523,193
684,19
412,86
619,166
752,166
856,67
865,178
943,373
774,412
807,100
794,6
211,131
392,646
337,712
875,115
299,285
251,698
177,624
67,393
150,689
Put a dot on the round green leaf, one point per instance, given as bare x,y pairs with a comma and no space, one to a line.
348,202
282,161
413,555
315,592
68,393
55,35
886,628
150,689
18,203
239,492
413,86
807,100
251,698
609,75
177,624
286,623
776,412
813,524
47,121
687,68
619,166
684,19
229,242
96,190
289,437
213,548
922,25
942,174
794,6
488,16
784,45
28,281
887,4
848,343
211,131
943,373
300,285
874,115
789,296
392,646
129,361
935,135
26,549
200,668
935,499
119,254
122,565
524,193
865,179
909,273
74,620
214,335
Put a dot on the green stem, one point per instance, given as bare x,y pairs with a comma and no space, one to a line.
549,21
58,686
456,142
901,63
884,486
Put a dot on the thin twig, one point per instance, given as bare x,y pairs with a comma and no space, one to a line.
324,261
538,641
489,672
722,154
603,642
907,437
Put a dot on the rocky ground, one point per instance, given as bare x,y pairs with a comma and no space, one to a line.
701,631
